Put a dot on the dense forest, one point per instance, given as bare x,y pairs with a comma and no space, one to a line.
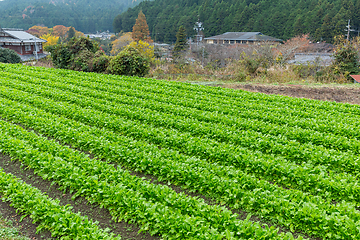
83,15
322,19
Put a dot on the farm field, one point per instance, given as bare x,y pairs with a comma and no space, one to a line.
346,93
91,156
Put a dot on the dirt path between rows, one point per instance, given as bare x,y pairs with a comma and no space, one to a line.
80,204
326,93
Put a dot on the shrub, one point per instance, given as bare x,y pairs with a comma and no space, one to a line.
144,49
76,54
129,62
100,62
346,59
61,56
9,56
82,61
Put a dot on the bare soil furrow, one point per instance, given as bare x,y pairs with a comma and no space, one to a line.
93,211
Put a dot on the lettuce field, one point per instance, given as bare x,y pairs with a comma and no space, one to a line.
177,160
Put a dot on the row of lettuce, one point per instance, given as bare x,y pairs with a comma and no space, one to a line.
156,208
318,177
50,215
330,120
233,147
121,127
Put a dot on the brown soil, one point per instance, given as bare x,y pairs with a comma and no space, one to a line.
337,94
93,211
127,231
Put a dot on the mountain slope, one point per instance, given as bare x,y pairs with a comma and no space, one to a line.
84,15
282,18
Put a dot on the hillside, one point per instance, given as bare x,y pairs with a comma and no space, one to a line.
84,15
282,19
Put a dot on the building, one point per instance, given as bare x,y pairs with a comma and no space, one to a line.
103,35
321,59
240,38
23,43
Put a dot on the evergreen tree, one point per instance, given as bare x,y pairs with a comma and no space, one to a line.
141,29
298,27
339,22
9,56
181,43
325,31
282,19
70,33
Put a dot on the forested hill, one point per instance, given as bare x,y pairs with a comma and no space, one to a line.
84,15
281,18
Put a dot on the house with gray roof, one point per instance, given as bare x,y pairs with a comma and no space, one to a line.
24,44
240,38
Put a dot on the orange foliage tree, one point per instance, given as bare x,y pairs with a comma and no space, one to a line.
39,31
121,42
141,29
60,31
52,35
298,43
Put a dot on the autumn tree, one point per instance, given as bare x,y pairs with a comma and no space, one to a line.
145,49
51,40
298,44
60,31
120,43
141,29
38,30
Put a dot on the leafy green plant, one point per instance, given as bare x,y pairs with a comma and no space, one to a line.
48,212
282,158
129,62
76,54
346,59
9,56
126,196
83,60
100,63
8,230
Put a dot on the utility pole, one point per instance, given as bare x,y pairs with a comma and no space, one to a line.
348,31
36,54
198,28
36,51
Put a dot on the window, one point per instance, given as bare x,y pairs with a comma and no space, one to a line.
27,48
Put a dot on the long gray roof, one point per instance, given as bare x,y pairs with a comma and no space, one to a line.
16,36
244,36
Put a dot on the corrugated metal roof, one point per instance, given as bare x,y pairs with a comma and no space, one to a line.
356,78
243,36
20,36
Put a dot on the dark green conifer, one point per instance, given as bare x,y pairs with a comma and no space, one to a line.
181,42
